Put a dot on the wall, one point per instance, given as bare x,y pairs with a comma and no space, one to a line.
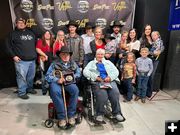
7,74
155,13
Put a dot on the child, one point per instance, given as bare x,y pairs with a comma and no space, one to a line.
110,48
157,45
129,75
122,50
144,70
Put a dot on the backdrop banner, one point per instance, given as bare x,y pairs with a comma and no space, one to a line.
174,17
53,15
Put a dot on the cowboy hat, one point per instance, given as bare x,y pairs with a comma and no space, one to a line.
64,49
73,23
108,36
117,23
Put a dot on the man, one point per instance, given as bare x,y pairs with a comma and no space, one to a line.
116,26
87,38
57,78
75,43
21,48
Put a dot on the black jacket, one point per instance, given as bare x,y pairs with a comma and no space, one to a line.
21,43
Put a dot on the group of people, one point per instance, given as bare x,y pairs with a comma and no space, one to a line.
104,58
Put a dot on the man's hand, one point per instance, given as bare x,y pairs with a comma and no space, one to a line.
61,80
107,79
99,79
16,59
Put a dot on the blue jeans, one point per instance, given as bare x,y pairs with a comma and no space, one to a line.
102,96
87,58
128,86
142,86
56,96
25,73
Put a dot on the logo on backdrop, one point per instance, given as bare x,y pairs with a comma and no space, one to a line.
83,6
102,22
47,23
63,6
30,22
177,4
119,5
45,7
26,5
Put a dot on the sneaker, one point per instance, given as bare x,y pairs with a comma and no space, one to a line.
25,96
143,100
119,118
99,118
62,123
32,91
71,121
137,98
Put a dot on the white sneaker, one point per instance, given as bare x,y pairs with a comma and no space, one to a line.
99,118
119,118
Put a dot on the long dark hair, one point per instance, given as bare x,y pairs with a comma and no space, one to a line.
44,40
144,40
129,39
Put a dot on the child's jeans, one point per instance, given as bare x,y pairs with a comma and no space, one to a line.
128,86
142,85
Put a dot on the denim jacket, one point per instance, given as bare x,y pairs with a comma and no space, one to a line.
91,72
71,65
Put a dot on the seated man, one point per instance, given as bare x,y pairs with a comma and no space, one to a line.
104,72
57,76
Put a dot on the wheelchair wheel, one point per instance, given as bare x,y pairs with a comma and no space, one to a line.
79,118
49,123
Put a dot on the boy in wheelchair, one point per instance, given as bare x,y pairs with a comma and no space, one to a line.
61,76
104,75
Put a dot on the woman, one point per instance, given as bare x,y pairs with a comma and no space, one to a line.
133,43
44,49
59,42
104,74
98,42
146,41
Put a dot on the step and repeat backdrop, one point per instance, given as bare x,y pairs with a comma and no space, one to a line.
41,15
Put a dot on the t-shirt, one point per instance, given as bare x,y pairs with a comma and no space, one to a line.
43,48
102,70
102,46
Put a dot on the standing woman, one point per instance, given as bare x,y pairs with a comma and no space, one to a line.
146,41
44,49
132,42
98,42
59,42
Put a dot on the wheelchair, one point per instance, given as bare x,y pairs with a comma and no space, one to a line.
52,114
89,103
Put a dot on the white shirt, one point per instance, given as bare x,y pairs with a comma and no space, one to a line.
86,43
134,45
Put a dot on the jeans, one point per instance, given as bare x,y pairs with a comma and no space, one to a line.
142,86
87,58
102,96
57,97
128,86
25,73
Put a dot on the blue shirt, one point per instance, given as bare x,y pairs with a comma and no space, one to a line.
102,70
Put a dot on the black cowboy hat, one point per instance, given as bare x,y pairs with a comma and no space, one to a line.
108,36
117,23
89,25
73,23
64,49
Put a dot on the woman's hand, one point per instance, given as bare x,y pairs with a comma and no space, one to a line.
107,79
99,79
